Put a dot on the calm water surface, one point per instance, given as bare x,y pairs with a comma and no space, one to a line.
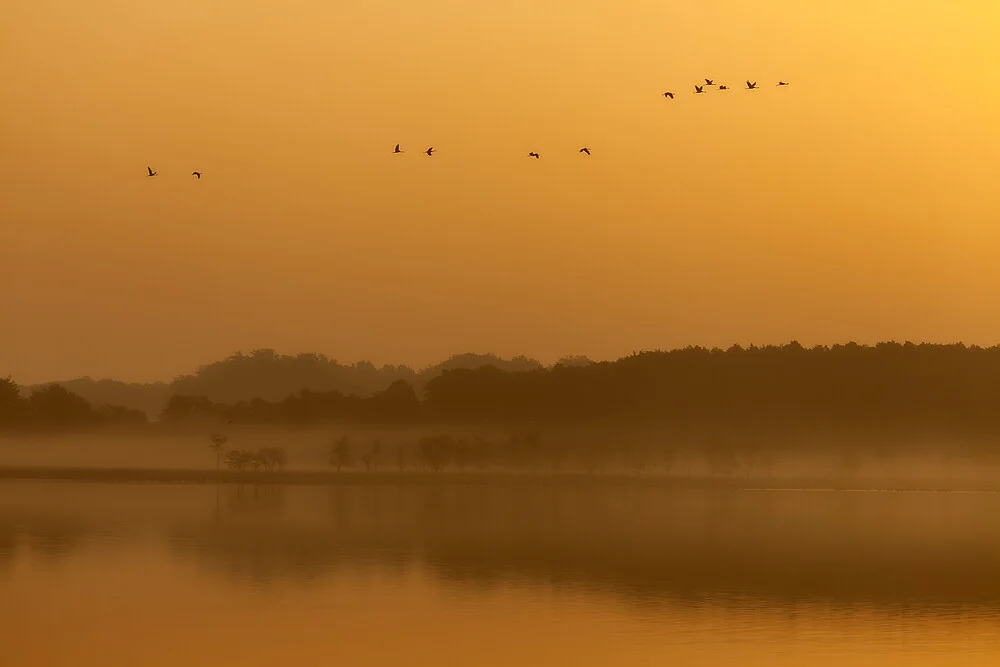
128,575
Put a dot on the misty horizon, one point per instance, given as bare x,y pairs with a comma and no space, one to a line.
724,268
541,361
886,391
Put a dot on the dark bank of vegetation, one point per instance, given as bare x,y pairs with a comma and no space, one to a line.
149,399
55,409
270,376
887,388
736,407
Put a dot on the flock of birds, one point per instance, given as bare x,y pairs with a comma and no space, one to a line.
196,174
751,85
698,90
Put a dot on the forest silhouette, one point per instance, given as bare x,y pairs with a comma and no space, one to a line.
888,389
271,376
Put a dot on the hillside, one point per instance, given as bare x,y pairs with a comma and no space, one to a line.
265,374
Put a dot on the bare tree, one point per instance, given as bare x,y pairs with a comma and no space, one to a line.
373,457
273,458
217,442
341,454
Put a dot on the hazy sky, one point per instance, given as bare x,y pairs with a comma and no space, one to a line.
861,202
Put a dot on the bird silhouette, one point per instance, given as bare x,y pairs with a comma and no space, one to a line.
751,85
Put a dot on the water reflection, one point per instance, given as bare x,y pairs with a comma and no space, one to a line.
648,545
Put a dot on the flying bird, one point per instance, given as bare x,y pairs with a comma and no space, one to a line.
196,173
709,82
699,89
397,151
585,150
534,155
751,86
723,87
669,94
151,172
782,83
430,151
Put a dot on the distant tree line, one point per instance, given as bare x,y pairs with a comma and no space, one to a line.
148,398
268,459
270,376
396,406
886,389
56,409
881,389
551,452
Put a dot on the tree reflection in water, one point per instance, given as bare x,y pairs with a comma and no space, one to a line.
642,543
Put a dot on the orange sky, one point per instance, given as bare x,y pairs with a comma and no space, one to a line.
858,203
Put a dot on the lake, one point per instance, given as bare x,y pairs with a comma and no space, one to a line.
493,574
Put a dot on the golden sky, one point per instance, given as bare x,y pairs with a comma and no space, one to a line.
861,202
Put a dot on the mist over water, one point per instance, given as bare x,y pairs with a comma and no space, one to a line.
629,455
490,334
486,574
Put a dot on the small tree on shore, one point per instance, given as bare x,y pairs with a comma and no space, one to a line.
273,458
341,454
217,443
238,459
